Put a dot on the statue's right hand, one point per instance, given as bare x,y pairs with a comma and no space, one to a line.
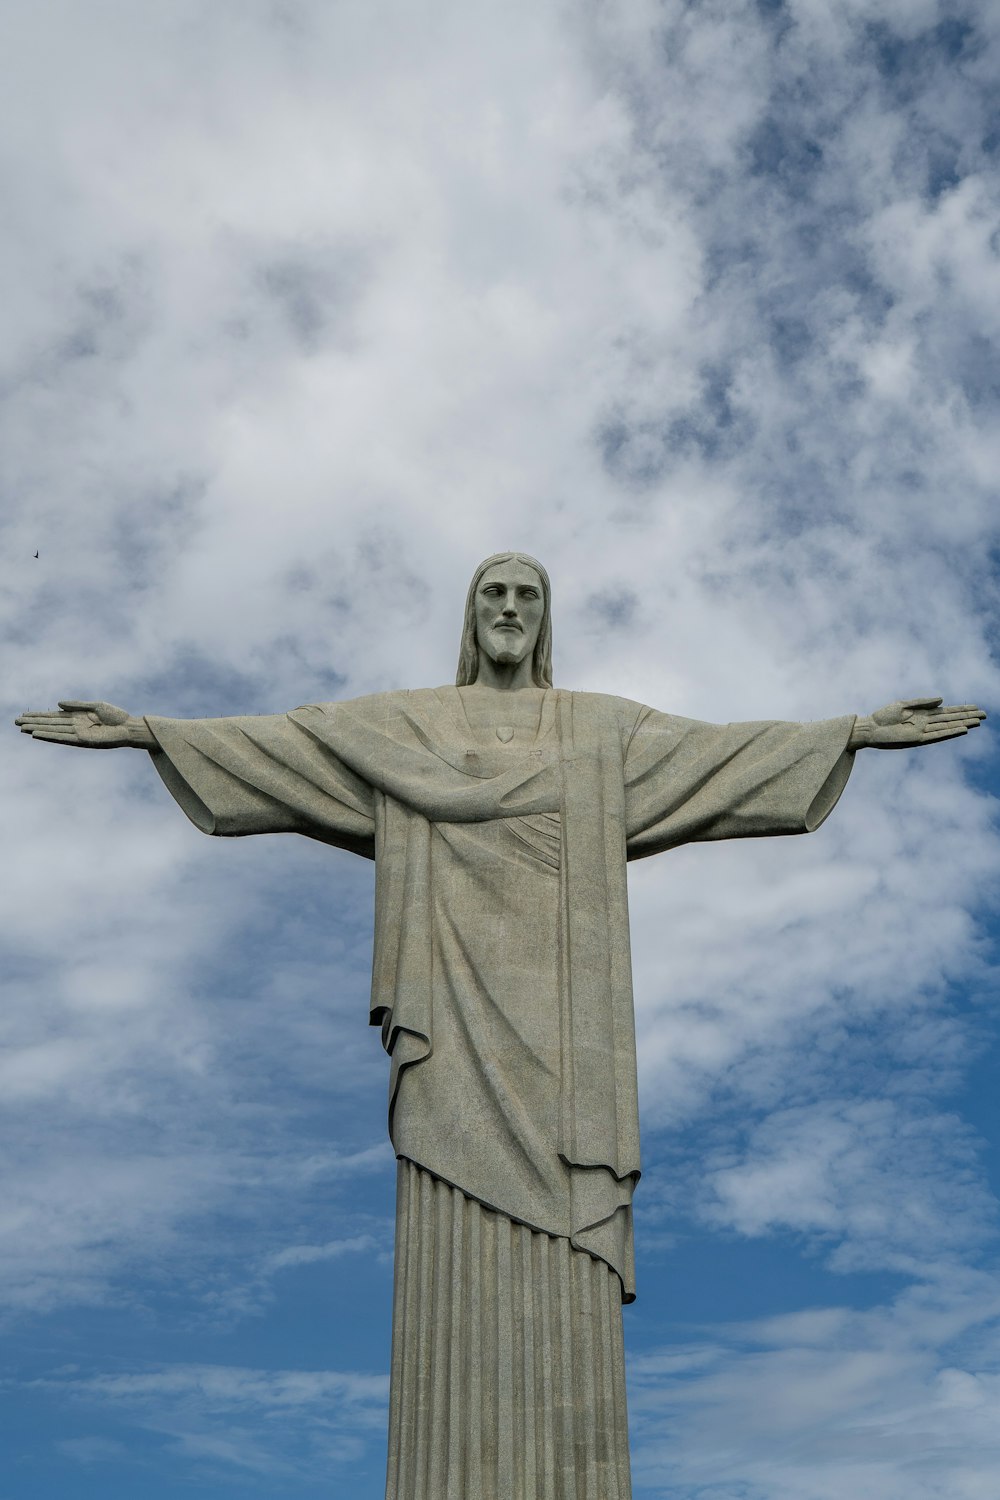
91,726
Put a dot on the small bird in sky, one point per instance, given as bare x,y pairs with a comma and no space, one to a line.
36,554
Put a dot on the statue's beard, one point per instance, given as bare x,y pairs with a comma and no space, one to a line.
508,658
508,647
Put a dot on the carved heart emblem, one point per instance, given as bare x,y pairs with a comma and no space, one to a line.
505,733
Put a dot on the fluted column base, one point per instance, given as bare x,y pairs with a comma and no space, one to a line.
508,1366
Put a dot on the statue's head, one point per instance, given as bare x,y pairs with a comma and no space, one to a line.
507,616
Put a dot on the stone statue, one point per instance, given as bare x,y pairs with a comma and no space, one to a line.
500,814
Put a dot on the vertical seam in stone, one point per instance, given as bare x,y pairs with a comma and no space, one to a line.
528,1398
603,1413
545,1366
584,1383
400,1267
425,1347
491,1375
456,1487
566,1403
473,1355
621,1404
440,1340
506,1418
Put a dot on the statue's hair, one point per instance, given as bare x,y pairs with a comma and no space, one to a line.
468,656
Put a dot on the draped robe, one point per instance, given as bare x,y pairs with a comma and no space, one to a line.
501,971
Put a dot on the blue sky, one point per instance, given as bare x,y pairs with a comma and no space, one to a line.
308,308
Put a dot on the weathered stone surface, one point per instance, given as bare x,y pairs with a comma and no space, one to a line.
501,813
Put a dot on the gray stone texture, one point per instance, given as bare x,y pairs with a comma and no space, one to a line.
501,813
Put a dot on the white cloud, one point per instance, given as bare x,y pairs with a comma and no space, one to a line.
829,1402
307,1255
287,1424
314,307
93,1450
897,1187
225,1387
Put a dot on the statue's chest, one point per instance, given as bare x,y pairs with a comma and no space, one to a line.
506,720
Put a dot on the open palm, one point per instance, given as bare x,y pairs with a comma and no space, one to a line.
91,726
918,721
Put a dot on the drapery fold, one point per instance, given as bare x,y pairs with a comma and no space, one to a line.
501,971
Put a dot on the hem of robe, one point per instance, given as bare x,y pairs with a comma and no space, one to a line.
608,1240
183,793
508,1365
824,763
832,789
232,778
589,1224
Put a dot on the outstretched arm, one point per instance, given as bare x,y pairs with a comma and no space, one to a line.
89,726
913,722
258,773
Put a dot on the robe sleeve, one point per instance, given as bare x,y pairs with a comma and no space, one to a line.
263,774
687,781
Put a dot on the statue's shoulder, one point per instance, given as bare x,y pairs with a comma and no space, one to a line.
608,706
605,718
375,707
380,710
367,703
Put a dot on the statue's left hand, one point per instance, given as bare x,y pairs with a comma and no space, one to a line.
89,725
912,722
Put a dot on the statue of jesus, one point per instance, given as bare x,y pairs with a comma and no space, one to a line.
500,814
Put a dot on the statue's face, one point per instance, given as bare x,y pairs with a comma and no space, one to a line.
509,610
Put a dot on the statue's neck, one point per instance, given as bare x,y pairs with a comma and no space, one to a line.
504,677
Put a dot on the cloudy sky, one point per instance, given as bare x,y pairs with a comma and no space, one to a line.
307,308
